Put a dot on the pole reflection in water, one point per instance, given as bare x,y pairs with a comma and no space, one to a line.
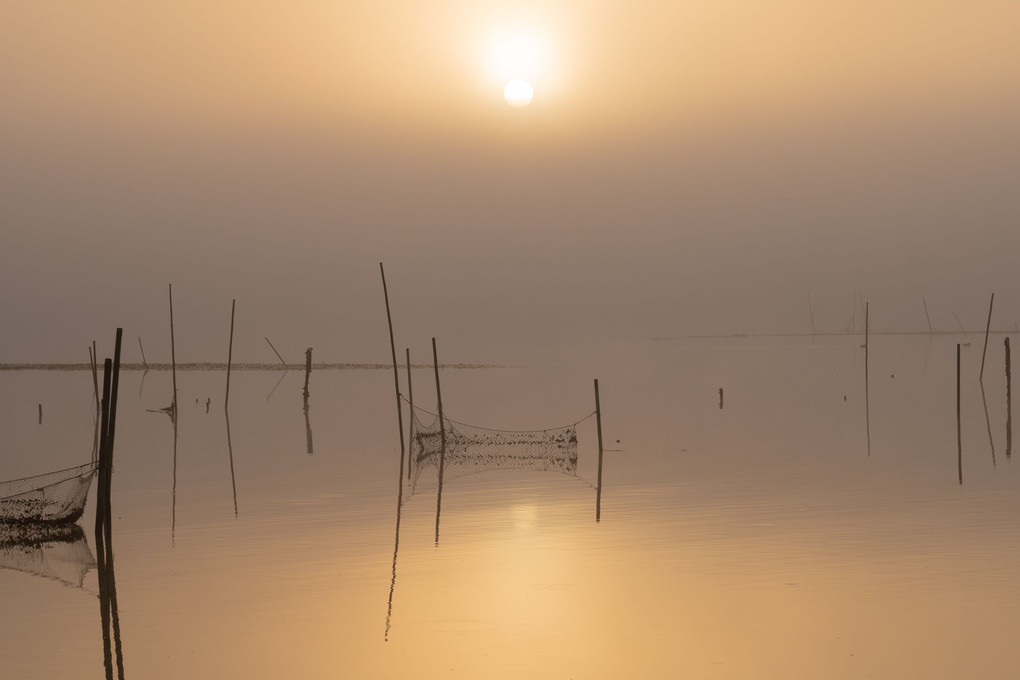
230,454
988,422
308,428
173,488
270,395
867,390
396,547
108,610
1009,406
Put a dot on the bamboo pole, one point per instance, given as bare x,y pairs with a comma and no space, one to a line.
112,427
276,353
442,437
598,424
173,353
396,376
104,601
230,353
988,326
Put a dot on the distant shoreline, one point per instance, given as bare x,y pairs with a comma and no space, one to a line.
200,366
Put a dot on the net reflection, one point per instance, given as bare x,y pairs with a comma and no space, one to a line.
57,553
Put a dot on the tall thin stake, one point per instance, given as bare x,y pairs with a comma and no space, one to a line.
145,363
308,372
230,353
988,326
959,436
276,353
925,303
598,425
173,353
442,437
396,376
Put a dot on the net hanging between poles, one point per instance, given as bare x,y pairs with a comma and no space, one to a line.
52,498
472,449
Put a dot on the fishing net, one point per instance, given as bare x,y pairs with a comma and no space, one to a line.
52,498
472,449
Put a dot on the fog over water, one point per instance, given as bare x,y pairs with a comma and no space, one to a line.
681,171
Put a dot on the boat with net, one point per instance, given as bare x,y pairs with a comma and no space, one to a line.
54,498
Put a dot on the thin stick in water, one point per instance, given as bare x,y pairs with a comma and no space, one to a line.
396,376
925,303
598,424
145,364
988,326
276,353
230,354
173,353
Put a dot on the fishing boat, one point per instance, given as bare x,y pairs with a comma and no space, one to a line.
54,498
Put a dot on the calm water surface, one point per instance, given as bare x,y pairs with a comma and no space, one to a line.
756,540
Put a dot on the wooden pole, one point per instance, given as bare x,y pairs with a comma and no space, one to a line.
99,407
959,436
230,353
988,326
173,353
142,349
104,602
103,462
40,414
442,437
308,372
112,427
276,353
410,419
396,376
925,303
598,424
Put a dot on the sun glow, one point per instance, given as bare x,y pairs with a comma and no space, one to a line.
519,61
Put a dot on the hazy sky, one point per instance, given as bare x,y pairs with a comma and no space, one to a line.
685,167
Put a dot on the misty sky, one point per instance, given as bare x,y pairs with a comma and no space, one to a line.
684,168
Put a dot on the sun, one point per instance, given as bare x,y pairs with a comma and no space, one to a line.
517,58
518,93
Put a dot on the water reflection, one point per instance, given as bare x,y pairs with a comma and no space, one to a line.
230,455
58,553
1009,404
109,614
988,422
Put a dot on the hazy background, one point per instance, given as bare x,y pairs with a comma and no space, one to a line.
685,168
